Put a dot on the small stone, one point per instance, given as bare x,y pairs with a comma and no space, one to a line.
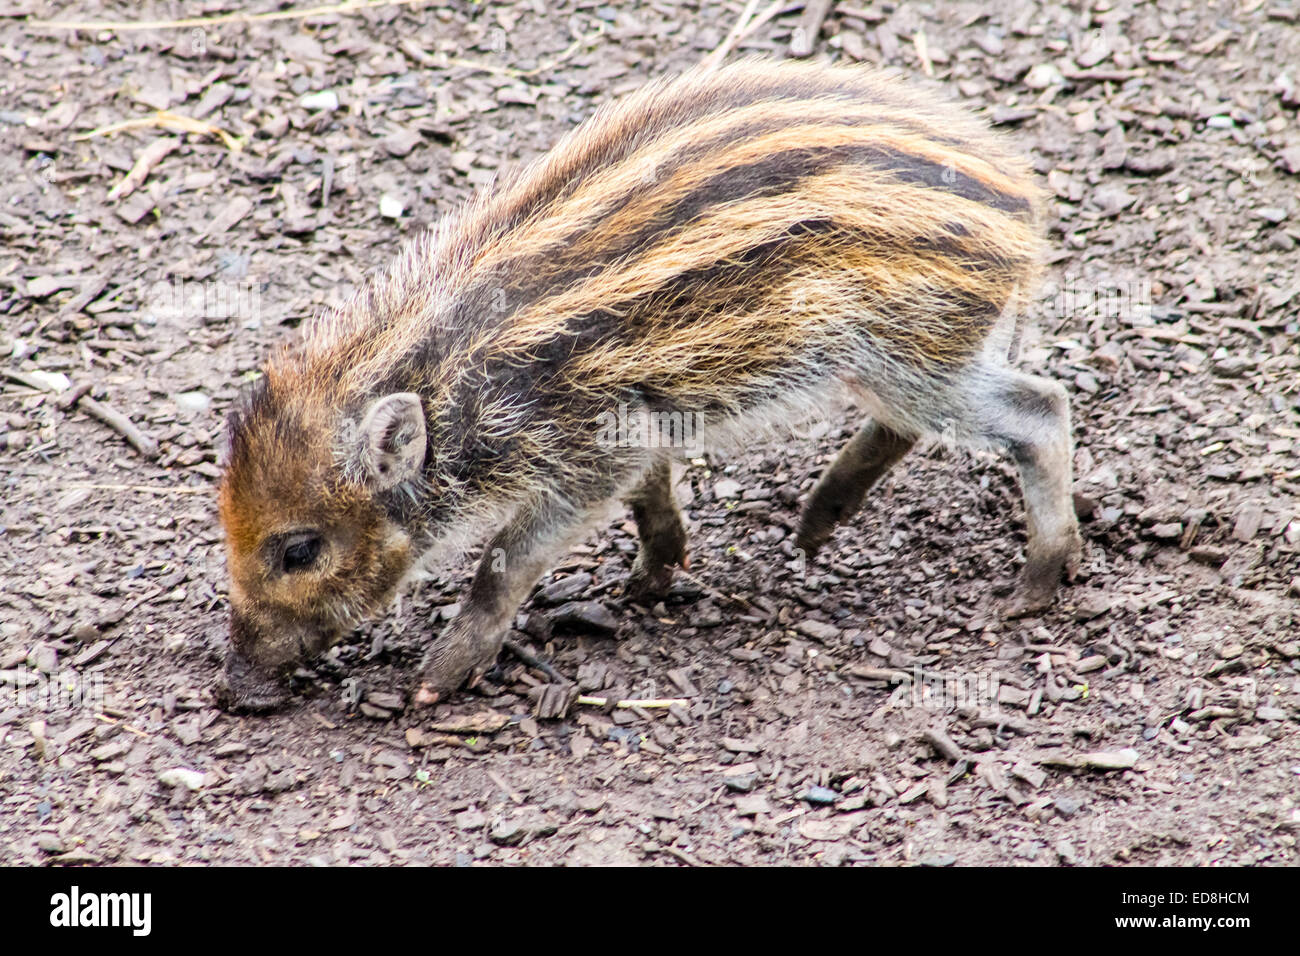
591,802
181,777
390,207
1167,531
90,654
484,722
1248,523
820,795
111,751
1043,75
192,401
1233,366
50,843
386,700
1290,158
74,858
943,744
725,488
44,658
818,630
914,793
742,777
1030,774
564,589
584,615
1111,200
1092,604
1124,759
1067,806
401,142
39,739
42,287
752,805
326,100
507,833
1150,164
826,829
470,820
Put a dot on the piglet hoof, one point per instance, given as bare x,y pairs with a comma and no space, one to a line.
1030,605
424,696
459,659
1041,578
648,585
809,540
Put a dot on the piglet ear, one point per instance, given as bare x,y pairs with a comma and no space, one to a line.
392,440
226,438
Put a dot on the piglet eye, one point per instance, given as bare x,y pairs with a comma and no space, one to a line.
300,553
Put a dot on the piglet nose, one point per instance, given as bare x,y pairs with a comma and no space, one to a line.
241,686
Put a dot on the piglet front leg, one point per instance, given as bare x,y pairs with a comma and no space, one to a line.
516,557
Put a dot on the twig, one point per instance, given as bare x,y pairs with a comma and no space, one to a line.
125,726
347,7
680,854
149,157
74,395
660,703
573,48
161,490
714,59
810,27
166,119
745,25
22,378
725,595
115,420
922,46
517,649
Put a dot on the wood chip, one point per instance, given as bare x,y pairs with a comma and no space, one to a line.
149,157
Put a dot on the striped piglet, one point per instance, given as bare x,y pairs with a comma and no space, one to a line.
734,246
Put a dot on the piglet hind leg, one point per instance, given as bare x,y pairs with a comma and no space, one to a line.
839,493
516,557
1029,417
662,533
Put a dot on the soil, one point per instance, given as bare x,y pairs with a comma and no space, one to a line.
875,706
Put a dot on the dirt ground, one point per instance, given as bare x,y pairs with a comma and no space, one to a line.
873,707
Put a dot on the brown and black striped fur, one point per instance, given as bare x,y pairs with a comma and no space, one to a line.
735,246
